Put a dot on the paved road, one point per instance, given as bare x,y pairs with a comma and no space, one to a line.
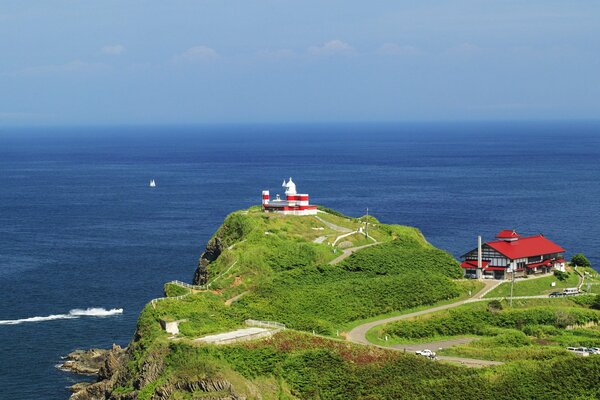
358,334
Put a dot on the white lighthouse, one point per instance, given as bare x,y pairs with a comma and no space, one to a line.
294,203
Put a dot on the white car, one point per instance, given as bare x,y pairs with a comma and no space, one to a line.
594,350
426,353
581,351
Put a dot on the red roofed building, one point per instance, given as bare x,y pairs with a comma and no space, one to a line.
514,253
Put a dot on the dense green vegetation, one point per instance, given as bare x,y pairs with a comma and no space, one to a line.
278,268
580,260
321,298
295,365
536,329
535,286
408,254
282,275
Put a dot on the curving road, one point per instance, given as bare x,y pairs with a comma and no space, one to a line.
358,334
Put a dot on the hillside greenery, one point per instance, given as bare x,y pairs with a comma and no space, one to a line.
535,286
534,329
273,263
294,365
279,268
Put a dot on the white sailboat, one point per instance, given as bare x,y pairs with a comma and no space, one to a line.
152,183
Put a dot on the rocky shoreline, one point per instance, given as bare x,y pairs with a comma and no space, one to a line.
102,363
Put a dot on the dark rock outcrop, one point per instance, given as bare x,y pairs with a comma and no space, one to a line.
89,362
211,389
213,250
104,363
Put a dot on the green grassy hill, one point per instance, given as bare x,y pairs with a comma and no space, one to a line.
280,268
283,275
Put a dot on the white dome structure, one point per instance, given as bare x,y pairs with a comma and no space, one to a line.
290,187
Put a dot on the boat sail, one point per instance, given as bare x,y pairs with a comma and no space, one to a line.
152,183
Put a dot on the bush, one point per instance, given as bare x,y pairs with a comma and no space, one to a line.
400,256
479,322
494,306
561,276
580,260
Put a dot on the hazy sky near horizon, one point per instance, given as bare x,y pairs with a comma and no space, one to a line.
134,61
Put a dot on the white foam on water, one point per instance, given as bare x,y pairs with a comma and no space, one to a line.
75,313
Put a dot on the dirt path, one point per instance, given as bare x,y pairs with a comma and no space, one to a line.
236,298
346,253
334,226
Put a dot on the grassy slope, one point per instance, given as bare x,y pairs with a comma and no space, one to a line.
535,329
533,287
298,365
288,279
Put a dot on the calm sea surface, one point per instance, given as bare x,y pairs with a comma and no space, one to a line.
80,228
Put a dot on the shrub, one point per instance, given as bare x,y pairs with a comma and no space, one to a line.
561,276
580,260
494,306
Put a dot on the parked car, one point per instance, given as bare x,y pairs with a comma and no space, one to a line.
471,276
580,351
570,291
426,353
594,350
556,294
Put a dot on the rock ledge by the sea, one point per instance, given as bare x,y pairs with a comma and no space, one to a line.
85,362
100,362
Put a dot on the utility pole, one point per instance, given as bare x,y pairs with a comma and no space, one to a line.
367,224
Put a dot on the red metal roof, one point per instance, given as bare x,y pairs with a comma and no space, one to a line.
526,247
545,263
473,264
495,269
507,234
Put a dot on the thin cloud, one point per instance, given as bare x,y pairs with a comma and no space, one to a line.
334,47
76,66
113,49
393,49
464,49
197,54
278,55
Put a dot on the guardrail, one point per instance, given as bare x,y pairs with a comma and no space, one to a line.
181,284
265,324
187,285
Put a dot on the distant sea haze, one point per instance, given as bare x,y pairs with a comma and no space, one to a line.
86,243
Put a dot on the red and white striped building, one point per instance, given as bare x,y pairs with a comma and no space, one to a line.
294,203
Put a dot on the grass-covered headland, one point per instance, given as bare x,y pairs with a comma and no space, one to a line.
272,267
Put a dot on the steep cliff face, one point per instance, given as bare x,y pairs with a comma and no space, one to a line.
213,250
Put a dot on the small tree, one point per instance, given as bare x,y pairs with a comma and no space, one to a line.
580,260
494,306
561,276
596,303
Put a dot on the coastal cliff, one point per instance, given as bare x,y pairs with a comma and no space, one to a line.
213,250
293,271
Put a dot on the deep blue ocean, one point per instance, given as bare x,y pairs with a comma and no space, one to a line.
80,228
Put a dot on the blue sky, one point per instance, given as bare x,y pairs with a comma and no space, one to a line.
140,62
